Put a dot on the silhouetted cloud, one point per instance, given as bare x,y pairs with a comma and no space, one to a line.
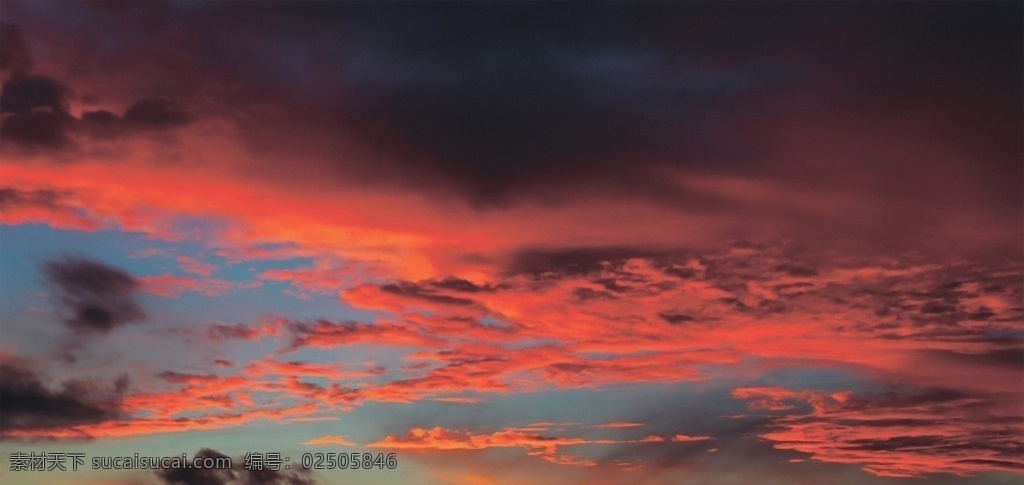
34,110
35,107
156,112
24,94
96,296
237,475
27,404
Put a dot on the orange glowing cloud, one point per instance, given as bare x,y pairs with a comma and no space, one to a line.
544,447
682,438
334,440
616,425
334,372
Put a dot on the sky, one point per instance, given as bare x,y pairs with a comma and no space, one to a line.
554,243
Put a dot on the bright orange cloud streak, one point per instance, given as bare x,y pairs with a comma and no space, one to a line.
547,448
332,440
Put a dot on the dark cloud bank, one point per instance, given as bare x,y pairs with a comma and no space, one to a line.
508,100
237,475
35,107
30,405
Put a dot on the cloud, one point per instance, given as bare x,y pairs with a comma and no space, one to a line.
739,304
236,475
175,402
332,372
196,266
97,296
620,424
682,438
11,198
545,447
36,108
327,279
156,112
24,94
899,432
220,332
58,208
554,218
326,334
333,440
62,209
538,330
30,407
34,111
623,116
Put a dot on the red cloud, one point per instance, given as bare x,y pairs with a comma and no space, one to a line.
544,447
196,266
334,372
896,433
682,438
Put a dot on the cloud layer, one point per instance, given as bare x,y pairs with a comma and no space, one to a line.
755,242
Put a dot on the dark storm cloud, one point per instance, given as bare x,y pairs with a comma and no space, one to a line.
884,112
26,403
499,98
96,296
47,130
507,100
24,94
102,124
1010,358
502,98
156,112
35,110
237,475
149,113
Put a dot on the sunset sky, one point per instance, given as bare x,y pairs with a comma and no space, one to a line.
773,243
